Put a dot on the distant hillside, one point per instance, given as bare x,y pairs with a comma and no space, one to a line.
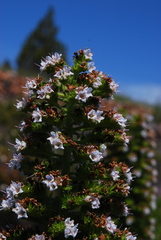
10,84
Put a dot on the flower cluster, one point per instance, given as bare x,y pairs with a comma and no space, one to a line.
63,154
141,154
70,228
11,192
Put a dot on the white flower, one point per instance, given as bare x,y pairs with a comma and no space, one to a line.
83,93
103,147
120,119
39,237
87,53
13,164
126,189
95,116
95,202
124,138
6,204
55,57
37,116
103,150
21,104
68,222
71,231
55,141
31,84
64,73
21,126
9,193
50,182
19,145
97,82
2,237
41,93
115,175
129,236
96,156
70,228
15,161
126,210
44,91
14,188
50,60
113,86
48,88
20,211
90,66
129,176
110,226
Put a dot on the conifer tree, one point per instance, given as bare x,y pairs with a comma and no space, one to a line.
40,42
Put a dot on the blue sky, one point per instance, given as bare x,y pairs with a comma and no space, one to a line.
124,35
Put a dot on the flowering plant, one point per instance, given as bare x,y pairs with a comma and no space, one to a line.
140,153
68,190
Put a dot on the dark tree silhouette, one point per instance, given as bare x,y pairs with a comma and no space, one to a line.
40,43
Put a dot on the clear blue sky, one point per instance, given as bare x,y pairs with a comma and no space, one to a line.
124,35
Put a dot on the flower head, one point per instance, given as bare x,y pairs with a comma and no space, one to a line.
129,236
50,182
15,161
14,188
83,93
95,116
2,237
88,54
20,211
110,225
128,175
50,61
126,211
6,204
70,228
90,66
21,104
44,91
115,175
37,237
120,119
37,116
113,86
21,126
55,141
64,73
97,82
96,156
19,145
95,202
31,84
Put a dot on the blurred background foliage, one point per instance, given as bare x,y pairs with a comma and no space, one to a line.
40,43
